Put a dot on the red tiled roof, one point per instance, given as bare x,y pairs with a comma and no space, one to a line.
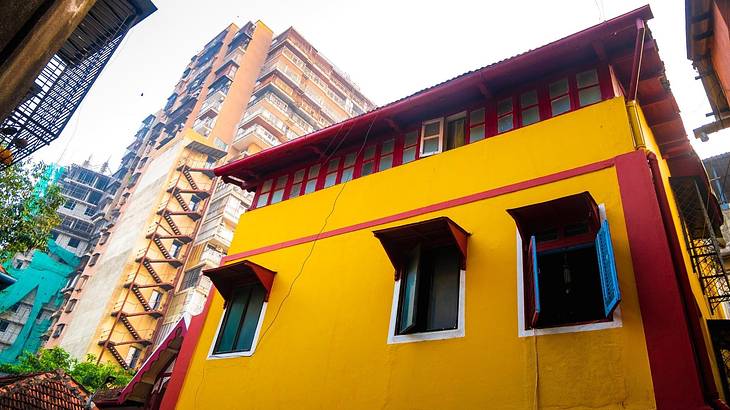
49,390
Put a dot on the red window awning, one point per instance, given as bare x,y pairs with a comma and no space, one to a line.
399,241
573,209
228,277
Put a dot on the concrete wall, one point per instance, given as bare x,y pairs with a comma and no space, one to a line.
112,267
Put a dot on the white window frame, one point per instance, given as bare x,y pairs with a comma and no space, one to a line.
245,353
616,322
394,338
453,117
440,136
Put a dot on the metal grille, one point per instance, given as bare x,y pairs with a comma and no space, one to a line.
701,240
64,81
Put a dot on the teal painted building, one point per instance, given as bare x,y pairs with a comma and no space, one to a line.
27,305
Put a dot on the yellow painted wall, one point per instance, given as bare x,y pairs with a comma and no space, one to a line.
327,348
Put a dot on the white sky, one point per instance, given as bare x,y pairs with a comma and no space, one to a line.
390,49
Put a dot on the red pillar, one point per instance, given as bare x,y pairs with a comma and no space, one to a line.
674,369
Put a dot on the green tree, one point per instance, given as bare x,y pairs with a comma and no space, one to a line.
28,204
87,372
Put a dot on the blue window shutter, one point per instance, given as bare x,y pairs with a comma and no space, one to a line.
607,269
536,281
532,285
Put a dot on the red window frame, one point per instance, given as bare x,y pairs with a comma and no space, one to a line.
280,185
597,85
313,176
366,158
505,114
405,146
471,125
348,164
331,168
264,189
569,93
297,185
524,106
382,155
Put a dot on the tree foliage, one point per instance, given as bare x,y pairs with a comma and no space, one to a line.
87,372
27,213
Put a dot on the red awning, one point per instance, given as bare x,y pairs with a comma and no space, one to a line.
401,240
568,210
228,277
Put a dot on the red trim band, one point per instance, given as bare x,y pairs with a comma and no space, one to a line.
491,193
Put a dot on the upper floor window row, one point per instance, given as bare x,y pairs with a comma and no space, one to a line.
527,106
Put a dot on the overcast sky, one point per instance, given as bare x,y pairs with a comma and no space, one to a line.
390,49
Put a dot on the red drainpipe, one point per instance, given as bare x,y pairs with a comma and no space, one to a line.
691,310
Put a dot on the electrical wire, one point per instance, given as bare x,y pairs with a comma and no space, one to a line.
324,225
314,242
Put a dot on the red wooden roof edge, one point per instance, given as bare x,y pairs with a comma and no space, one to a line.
279,153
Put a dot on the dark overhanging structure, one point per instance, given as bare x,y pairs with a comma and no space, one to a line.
38,108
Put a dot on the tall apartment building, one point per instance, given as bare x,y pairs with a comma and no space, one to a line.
46,281
297,92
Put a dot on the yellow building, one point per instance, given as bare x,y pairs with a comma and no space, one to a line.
512,238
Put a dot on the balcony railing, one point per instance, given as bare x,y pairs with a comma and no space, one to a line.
254,134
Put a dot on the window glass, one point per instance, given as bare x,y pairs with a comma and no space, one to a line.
589,96
264,194
505,116
240,320
476,133
348,168
296,187
530,116
504,106
410,147
587,78
368,165
505,123
455,133
559,97
589,91
331,177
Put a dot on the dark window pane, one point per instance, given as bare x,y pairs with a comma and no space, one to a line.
251,319
443,309
455,133
233,315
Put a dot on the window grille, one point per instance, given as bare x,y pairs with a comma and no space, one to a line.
701,239
64,81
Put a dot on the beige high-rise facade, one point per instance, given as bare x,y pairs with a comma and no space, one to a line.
165,183
244,92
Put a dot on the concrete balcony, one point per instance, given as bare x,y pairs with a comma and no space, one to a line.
254,134
212,105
